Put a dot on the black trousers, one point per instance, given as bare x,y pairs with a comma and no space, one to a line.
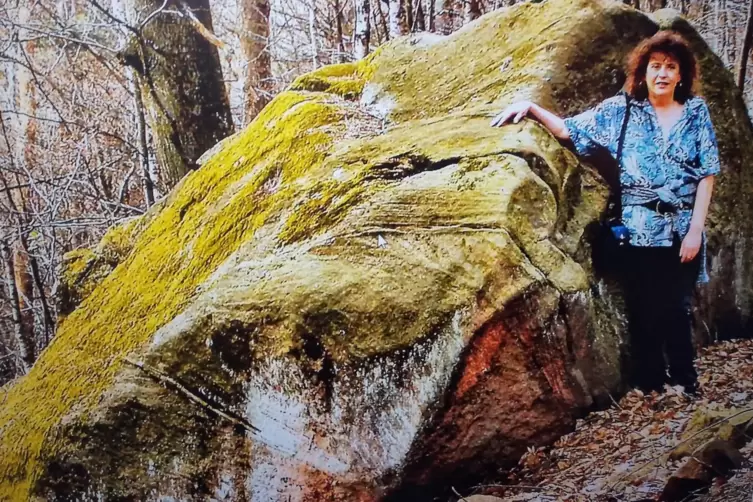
659,290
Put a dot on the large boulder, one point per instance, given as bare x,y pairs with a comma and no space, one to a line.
369,294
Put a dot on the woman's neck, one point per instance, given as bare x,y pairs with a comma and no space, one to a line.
665,101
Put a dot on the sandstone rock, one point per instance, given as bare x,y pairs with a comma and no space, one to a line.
331,309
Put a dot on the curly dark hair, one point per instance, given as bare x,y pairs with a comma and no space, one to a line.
672,44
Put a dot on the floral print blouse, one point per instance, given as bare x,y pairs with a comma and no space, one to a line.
653,168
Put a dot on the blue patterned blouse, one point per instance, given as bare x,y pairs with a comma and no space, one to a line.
653,169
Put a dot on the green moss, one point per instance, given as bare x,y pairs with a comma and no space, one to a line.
74,264
346,79
82,270
74,270
119,240
159,277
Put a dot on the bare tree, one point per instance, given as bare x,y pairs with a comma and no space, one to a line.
339,31
254,41
23,338
397,16
419,24
382,22
408,17
362,32
432,15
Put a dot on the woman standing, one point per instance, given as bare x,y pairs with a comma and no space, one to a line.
668,161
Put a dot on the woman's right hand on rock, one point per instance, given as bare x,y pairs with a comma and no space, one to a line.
515,111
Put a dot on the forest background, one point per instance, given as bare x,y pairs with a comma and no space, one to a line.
106,104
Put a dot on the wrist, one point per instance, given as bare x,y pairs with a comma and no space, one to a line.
696,229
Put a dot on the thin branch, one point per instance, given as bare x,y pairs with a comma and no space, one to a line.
113,18
153,15
168,381
70,39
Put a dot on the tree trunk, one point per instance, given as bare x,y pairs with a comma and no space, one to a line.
432,21
339,31
182,83
420,24
383,20
408,5
257,88
472,10
25,345
362,31
312,36
138,109
744,53
25,288
48,322
719,29
397,14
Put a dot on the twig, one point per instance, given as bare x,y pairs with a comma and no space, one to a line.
71,39
615,402
152,15
167,380
462,499
516,487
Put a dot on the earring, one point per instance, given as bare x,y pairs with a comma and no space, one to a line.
679,84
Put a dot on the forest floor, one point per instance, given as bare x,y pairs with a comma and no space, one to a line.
629,451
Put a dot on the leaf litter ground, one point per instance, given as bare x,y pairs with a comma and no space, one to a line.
622,453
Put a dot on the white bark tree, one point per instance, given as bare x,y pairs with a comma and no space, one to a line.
362,31
396,18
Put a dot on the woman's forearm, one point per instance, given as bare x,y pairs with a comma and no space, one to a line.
551,121
701,205
516,111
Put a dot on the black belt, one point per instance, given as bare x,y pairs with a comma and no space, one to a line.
661,207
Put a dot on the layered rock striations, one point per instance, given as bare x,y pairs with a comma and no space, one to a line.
369,294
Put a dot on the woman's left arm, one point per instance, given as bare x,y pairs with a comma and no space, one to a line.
691,244
709,167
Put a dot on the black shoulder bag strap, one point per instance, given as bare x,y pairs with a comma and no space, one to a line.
617,208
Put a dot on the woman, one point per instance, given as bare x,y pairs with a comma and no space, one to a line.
668,162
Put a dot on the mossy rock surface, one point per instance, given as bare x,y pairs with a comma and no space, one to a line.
368,291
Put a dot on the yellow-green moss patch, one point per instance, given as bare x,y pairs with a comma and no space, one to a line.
346,79
158,278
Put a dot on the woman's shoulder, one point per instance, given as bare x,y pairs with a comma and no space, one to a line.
697,104
610,107
616,101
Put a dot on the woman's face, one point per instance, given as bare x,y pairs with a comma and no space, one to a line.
662,75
